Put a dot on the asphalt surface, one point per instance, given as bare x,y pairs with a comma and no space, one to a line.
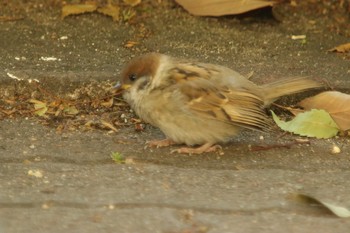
66,181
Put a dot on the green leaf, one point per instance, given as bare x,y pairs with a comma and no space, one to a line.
71,110
40,107
117,157
313,123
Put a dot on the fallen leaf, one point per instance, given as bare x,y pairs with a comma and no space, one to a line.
77,9
132,2
130,44
71,110
40,107
314,123
343,48
222,7
9,112
339,211
110,10
109,125
337,104
108,104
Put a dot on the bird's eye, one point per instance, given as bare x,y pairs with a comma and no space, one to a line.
132,77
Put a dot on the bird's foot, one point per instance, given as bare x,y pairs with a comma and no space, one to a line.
207,147
160,143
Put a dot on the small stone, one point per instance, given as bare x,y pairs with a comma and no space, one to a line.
335,150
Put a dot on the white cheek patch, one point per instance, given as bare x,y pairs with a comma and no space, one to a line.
162,68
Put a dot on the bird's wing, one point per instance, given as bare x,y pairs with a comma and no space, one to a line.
239,107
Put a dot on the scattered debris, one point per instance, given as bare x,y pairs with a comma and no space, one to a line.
50,59
35,173
335,149
343,48
298,37
274,146
87,108
132,2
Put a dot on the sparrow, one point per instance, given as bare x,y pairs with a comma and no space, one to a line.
199,104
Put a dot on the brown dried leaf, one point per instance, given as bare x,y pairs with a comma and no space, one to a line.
110,10
343,48
132,2
109,125
337,104
77,9
222,7
130,44
108,104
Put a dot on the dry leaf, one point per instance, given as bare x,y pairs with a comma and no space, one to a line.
77,9
130,44
108,104
343,48
71,110
338,211
110,10
222,7
132,2
109,125
40,107
337,104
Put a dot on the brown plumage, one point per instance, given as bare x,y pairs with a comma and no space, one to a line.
198,103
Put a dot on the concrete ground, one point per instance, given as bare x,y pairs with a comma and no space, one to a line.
63,179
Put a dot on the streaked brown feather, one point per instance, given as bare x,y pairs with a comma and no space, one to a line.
220,103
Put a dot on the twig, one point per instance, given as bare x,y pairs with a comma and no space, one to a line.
273,146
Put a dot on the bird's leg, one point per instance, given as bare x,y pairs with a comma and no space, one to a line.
160,143
207,147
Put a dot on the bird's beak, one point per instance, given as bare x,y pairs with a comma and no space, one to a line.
121,87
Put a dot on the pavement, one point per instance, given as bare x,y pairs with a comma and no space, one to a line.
54,180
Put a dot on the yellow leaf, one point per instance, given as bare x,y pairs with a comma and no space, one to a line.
108,103
71,110
343,48
109,125
39,106
110,10
77,9
132,2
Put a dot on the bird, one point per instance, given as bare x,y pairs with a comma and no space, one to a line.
199,105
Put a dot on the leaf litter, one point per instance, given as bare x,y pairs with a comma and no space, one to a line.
87,108
108,9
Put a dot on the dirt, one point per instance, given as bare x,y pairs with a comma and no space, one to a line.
57,173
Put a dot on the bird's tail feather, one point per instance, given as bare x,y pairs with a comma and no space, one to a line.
274,90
